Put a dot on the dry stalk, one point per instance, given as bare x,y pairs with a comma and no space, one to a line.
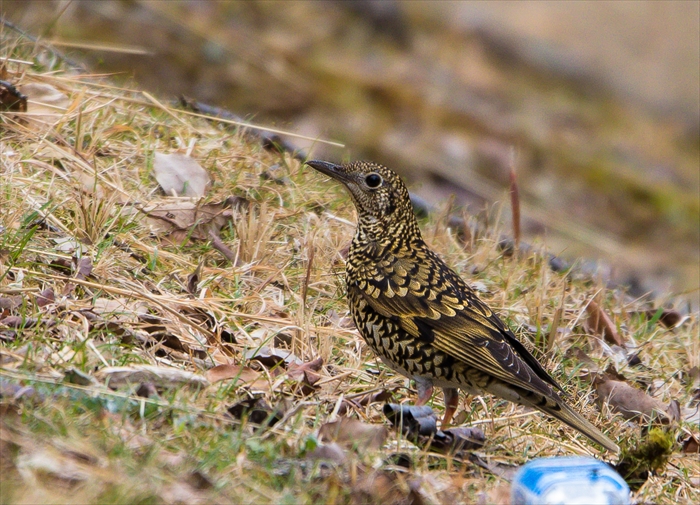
254,230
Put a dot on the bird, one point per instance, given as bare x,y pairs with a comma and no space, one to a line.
422,319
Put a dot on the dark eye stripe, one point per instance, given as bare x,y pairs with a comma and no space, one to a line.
373,180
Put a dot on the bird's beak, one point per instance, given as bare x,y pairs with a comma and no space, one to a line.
329,169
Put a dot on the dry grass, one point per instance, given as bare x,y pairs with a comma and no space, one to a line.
82,173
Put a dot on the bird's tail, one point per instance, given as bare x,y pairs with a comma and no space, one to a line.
561,411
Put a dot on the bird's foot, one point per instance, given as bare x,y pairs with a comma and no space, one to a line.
425,390
451,404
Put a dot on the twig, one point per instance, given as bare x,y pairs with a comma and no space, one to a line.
514,202
219,245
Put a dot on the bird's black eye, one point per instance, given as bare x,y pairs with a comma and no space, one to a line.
373,180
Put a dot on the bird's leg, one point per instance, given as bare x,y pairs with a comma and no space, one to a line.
425,390
451,404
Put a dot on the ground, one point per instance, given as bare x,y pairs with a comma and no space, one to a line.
156,348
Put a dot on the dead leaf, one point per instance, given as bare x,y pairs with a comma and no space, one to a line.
182,492
257,411
242,374
499,495
691,445
180,175
48,465
352,433
387,487
455,440
193,281
329,452
46,297
89,185
629,401
600,324
11,100
674,411
182,220
163,377
306,375
68,245
120,309
634,359
8,335
22,322
83,268
693,380
364,400
46,104
583,358
147,390
17,391
10,302
272,357
670,318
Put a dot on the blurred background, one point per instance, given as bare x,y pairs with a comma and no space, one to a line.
600,101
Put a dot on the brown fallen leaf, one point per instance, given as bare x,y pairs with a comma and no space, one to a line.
387,487
10,302
583,358
243,375
352,433
692,379
691,444
367,399
599,323
629,401
193,281
147,390
23,322
180,175
670,318
328,452
499,495
11,100
46,297
50,465
82,268
257,411
182,492
306,375
178,221
674,411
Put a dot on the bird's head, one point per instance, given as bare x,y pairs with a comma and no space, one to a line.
380,196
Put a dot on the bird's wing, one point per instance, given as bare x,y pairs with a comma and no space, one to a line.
428,300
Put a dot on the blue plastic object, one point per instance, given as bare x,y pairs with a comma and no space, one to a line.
568,481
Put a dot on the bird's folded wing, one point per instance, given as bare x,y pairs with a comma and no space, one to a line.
449,314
